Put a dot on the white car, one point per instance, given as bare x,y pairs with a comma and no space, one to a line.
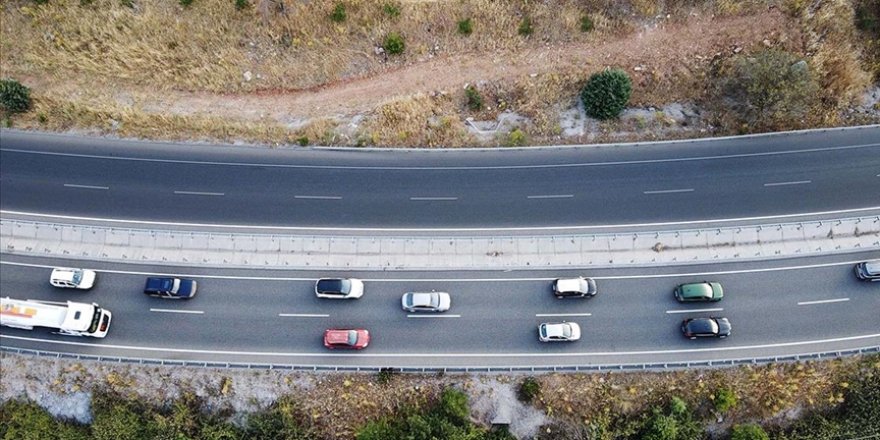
426,301
579,287
339,288
559,332
82,279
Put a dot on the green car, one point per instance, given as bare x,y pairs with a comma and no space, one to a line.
699,292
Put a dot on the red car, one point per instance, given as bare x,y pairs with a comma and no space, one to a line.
346,338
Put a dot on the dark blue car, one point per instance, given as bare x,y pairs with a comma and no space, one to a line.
170,288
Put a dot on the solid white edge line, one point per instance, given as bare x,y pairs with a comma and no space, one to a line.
433,316
468,280
433,199
456,355
303,315
73,185
192,312
540,315
797,182
718,309
198,193
822,301
475,168
519,229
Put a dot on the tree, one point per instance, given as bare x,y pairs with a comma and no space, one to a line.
606,93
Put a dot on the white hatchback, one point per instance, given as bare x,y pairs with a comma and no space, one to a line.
559,332
65,278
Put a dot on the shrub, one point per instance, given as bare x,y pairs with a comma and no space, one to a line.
127,3
725,399
338,15
867,17
516,138
241,4
14,96
661,427
454,406
748,432
474,99
465,27
391,9
185,3
529,389
678,407
525,27
41,2
302,141
385,375
28,421
116,419
586,23
606,93
771,89
394,43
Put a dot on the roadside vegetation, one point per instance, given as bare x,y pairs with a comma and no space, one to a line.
438,73
813,400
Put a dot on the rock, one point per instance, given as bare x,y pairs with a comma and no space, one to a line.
639,68
737,49
766,43
378,50
248,76
533,75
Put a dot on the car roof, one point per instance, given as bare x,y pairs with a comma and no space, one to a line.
569,284
873,267
555,329
331,284
696,290
423,298
336,336
63,274
703,325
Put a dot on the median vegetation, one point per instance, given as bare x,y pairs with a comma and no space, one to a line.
804,401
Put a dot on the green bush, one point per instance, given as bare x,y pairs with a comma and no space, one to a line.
41,2
185,3
454,406
117,419
586,23
338,15
516,138
725,400
394,43
474,99
529,389
867,17
302,141
769,90
677,407
748,432
14,96
241,4
525,27
606,93
466,26
391,9
127,3
661,427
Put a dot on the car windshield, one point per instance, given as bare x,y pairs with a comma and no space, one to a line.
77,276
543,331
352,337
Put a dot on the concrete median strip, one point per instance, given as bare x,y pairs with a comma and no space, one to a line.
196,247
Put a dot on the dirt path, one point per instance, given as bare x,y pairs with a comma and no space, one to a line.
659,50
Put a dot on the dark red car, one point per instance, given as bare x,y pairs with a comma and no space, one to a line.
346,338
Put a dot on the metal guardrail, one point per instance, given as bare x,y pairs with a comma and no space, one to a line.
652,366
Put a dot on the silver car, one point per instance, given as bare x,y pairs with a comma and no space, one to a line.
426,301
559,332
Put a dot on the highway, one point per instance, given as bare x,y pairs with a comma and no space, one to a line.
347,188
782,307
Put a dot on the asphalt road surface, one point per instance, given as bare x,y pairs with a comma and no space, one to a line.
607,185
782,307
